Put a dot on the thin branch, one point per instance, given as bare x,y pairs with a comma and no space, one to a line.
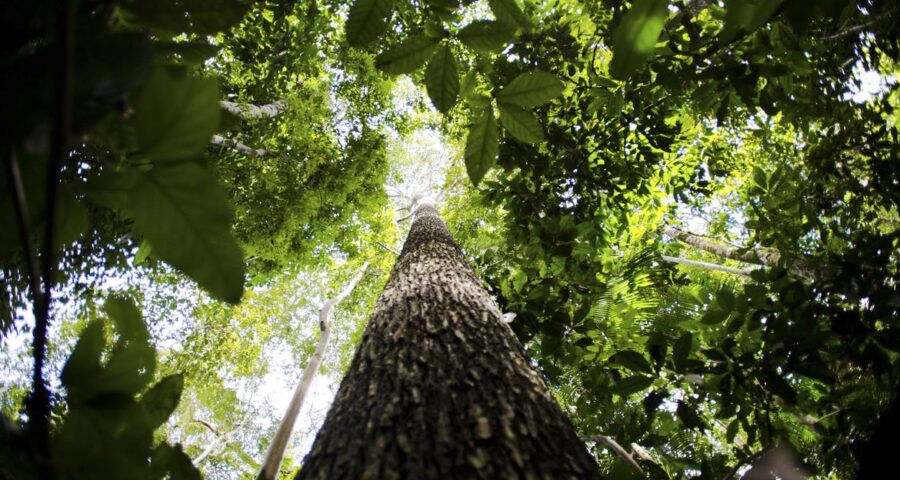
888,15
615,447
389,249
706,265
272,461
24,223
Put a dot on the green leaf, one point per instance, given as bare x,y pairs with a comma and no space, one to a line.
175,116
714,316
689,416
519,279
186,218
197,16
508,12
485,35
531,89
407,56
521,124
632,384
368,20
143,252
745,16
779,386
160,401
442,79
481,145
84,362
682,348
635,38
633,361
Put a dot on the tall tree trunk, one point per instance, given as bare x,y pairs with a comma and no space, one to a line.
440,387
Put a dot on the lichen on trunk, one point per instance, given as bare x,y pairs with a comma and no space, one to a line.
440,387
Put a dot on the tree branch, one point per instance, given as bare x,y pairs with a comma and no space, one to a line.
220,141
616,448
247,110
272,461
706,265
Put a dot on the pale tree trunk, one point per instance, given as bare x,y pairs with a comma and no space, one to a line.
246,110
274,455
439,387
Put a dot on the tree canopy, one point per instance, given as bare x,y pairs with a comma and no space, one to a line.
689,206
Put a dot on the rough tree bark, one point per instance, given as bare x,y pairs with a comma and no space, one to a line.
440,387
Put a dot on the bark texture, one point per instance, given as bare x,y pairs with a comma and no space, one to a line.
440,387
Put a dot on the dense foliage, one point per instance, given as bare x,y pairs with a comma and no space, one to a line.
690,206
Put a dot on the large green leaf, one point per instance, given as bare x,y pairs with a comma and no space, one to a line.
520,123
442,79
481,144
635,38
184,215
508,12
407,56
485,35
368,20
175,116
633,361
531,89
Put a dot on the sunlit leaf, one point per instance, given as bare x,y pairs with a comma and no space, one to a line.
520,123
442,79
635,38
481,144
531,89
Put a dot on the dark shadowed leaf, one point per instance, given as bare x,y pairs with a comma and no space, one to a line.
160,401
175,116
486,35
368,20
407,56
185,216
508,12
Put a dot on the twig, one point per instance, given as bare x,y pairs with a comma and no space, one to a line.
389,249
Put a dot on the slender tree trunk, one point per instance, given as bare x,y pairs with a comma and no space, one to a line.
439,387
246,110
275,453
220,141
